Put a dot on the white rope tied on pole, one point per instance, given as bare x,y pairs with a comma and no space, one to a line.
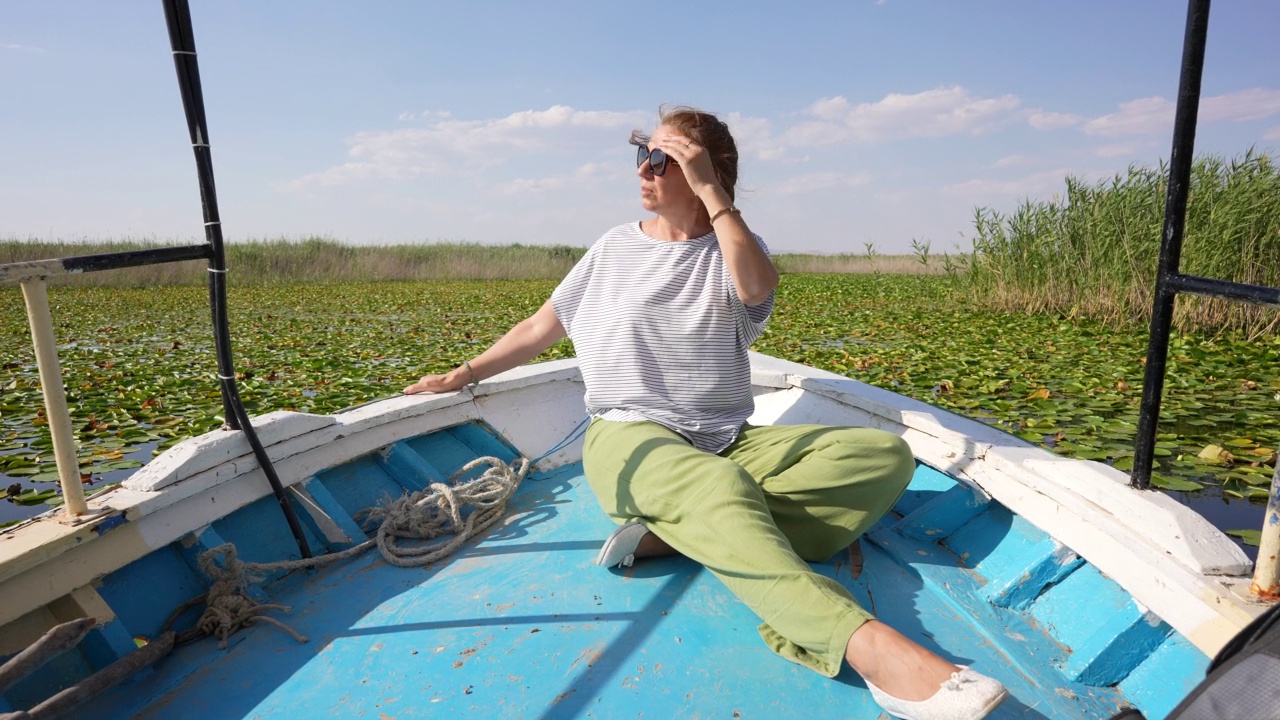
424,515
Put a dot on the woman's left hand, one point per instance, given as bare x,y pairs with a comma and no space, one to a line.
694,161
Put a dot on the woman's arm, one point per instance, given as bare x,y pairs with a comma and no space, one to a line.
521,344
754,275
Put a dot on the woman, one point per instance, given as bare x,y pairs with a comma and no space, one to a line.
661,314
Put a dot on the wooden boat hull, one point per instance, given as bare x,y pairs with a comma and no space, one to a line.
1079,593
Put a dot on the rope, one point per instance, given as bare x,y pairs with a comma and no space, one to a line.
424,515
437,511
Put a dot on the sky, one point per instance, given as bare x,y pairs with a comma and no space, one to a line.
860,123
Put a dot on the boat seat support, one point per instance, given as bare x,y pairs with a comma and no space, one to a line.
327,518
1120,643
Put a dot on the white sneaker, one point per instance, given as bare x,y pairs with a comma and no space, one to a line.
620,548
967,695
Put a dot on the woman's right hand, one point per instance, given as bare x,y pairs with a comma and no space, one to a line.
448,382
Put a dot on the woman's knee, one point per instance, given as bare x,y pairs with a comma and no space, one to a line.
882,453
900,461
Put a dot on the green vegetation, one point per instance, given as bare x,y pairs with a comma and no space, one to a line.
846,263
1093,253
1073,387
139,367
313,260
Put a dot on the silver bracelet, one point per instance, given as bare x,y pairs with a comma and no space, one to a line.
470,373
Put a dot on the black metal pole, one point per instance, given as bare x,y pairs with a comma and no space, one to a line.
31,269
1180,159
182,39
1239,292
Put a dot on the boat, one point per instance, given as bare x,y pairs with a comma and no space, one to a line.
1080,593
184,593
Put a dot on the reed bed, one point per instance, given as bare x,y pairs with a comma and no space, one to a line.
1093,253
314,260
863,264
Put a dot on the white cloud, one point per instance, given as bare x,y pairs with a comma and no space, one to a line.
1013,161
1117,149
588,175
754,137
932,113
1154,115
1245,105
818,181
1272,134
532,186
1032,185
901,196
425,115
1044,120
1145,116
345,174
20,48
470,146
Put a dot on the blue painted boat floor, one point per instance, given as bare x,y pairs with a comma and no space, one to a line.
521,624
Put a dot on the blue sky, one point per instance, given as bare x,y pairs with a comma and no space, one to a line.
499,122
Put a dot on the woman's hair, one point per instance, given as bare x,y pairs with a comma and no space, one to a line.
706,130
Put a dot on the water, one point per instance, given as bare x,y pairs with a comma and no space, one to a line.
11,511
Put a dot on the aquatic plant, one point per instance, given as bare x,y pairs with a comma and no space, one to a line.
1092,252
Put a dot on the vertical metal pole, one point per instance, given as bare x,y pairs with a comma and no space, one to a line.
1175,210
1266,575
55,395
183,43
182,39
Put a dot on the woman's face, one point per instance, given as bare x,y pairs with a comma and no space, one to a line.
659,193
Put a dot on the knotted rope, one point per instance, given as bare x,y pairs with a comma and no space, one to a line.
424,515
437,511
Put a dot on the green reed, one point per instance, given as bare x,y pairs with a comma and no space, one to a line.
1093,253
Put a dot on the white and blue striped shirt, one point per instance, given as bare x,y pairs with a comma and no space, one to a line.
661,334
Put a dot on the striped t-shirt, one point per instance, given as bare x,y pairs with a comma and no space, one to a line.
661,334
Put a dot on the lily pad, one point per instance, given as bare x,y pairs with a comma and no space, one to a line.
34,497
1248,537
1175,483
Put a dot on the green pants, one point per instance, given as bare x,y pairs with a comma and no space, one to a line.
754,514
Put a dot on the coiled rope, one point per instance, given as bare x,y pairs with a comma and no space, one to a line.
428,514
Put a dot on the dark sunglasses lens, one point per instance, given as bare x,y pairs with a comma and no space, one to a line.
658,161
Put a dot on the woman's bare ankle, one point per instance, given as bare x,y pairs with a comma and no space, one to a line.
653,546
894,663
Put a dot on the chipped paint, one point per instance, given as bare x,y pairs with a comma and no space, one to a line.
109,523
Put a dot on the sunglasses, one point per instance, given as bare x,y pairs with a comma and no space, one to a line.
657,159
